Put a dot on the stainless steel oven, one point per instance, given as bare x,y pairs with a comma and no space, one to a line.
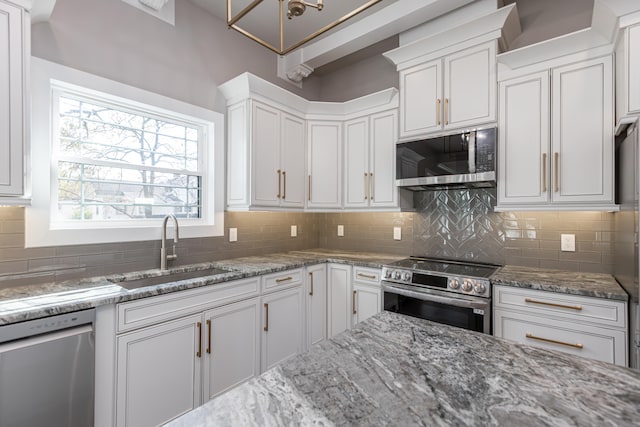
450,292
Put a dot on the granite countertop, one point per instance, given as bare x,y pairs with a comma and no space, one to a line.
22,303
566,282
397,370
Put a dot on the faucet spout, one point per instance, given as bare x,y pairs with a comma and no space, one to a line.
164,258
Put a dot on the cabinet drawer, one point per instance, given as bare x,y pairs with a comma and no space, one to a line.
367,276
585,309
581,340
282,280
148,311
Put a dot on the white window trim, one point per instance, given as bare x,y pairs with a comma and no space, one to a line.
40,231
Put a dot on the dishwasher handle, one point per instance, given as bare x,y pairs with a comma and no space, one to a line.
46,337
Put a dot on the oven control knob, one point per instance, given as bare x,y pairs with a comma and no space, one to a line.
479,288
396,275
406,276
454,284
467,285
387,274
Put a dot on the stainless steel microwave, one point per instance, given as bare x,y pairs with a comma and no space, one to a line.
462,160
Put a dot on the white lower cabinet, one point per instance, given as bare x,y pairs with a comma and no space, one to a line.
282,326
339,310
367,301
316,292
588,327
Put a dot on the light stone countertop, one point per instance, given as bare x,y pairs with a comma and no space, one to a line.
23,303
560,281
398,370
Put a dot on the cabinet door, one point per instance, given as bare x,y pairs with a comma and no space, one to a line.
523,140
340,309
158,376
421,105
633,52
265,134
356,163
14,48
325,164
231,341
470,87
316,304
292,162
582,138
382,172
282,321
367,302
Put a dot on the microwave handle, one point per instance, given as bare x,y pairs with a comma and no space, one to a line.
472,152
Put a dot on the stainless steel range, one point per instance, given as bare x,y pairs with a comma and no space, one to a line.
452,292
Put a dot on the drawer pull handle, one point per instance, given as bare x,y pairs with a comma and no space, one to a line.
208,350
199,352
568,344
353,302
551,304
311,290
266,317
367,276
284,279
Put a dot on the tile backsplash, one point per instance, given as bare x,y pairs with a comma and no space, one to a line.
451,224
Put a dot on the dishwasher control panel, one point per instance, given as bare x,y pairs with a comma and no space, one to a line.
16,331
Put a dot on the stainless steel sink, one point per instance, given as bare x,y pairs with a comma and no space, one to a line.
169,278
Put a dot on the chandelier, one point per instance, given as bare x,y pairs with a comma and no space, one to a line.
290,11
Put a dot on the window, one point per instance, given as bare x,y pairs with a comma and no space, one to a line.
119,159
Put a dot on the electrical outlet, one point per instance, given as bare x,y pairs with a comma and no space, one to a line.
568,242
233,234
397,233
294,231
340,230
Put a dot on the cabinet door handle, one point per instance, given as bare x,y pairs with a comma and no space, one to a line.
557,171
353,302
544,172
284,187
266,317
553,304
279,182
568,344
372,187
284,279
438,112
309,187
365,185
208,336
311,279
199,352
446,111
367,276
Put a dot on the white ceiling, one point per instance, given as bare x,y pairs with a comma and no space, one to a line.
263,20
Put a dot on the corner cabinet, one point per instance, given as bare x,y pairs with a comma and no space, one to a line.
266,159
324,164
556,142
453,92
15,48
369,161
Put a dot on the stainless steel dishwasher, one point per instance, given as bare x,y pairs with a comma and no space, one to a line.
47,371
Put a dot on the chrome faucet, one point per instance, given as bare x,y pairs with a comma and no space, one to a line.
163,251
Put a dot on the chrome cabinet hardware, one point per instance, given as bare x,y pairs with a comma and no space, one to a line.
568,344
553,304
266,317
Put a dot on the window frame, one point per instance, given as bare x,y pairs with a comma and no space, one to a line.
44,229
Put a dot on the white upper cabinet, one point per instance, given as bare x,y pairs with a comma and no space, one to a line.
453,92
324,164
556,143
627,72
14,101
369,162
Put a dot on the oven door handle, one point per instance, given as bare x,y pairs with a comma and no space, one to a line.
430,296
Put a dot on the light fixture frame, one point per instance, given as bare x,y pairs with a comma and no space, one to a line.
233,20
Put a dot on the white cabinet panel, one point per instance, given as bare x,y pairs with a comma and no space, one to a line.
340,308
158,372
633,72
382,154
282,326
266,155
231,346
292,162
325,164
368,302
356,162
316,304
421,99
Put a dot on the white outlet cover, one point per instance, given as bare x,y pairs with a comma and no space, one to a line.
340,230
233,234
568,242
294,231
397,233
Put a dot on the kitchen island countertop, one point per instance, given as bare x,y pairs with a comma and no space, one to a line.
397,370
